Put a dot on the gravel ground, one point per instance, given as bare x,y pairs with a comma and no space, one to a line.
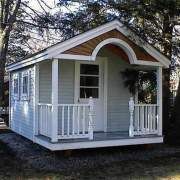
43,159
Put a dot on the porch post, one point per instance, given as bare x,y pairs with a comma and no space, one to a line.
54,125
131,110
91,114
159,99
36,100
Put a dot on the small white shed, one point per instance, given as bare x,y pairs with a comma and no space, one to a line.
71,95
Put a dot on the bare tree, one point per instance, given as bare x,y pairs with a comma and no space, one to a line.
10,18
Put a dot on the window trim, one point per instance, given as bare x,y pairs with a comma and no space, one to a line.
25,96
89,75
16,95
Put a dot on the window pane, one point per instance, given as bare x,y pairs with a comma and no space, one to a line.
89,69
25,84
89,81
89,92
16,86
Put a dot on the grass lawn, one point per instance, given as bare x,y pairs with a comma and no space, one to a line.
157,168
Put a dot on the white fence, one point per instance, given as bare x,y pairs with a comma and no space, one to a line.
45,119
74,120
143,118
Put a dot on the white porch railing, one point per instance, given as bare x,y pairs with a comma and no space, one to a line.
45,119
143,119
74,120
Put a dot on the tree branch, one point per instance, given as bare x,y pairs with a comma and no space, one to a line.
38,26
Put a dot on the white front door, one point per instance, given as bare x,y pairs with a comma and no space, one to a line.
89,83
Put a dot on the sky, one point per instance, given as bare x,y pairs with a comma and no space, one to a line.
39,42
50,3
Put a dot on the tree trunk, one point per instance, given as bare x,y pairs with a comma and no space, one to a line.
3,51
167,37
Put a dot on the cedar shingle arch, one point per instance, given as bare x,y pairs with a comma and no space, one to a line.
117,42
87,48
117,51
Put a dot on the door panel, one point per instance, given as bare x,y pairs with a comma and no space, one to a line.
89,83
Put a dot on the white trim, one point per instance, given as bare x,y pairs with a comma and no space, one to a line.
96,144
118,42
76,82
105,92
27,62
36,98
10,98
74,57
17,95
157,55
25,73
66,44
56,50
91,58
148,63
148,48
81,38
55,91
102,84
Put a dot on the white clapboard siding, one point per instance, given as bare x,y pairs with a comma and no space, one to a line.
22,112
118,96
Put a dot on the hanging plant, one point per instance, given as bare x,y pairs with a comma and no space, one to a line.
143,82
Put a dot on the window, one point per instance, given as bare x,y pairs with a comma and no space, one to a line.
25,85
89,81
16,86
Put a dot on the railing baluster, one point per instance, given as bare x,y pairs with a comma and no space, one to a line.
150,119
142,120
42,120
137,118
48,122
68,120
154,118
147,119
83,119
73,120
45,119
156,122
74,115
78,118
62,121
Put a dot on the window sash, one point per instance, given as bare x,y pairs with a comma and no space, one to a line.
15,84
25,85
89,81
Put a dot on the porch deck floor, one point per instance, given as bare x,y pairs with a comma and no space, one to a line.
99,136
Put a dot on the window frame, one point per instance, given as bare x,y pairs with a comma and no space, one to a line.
16,95
89,75
25,96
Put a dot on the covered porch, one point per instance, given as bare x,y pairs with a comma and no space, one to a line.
74,122
81,98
